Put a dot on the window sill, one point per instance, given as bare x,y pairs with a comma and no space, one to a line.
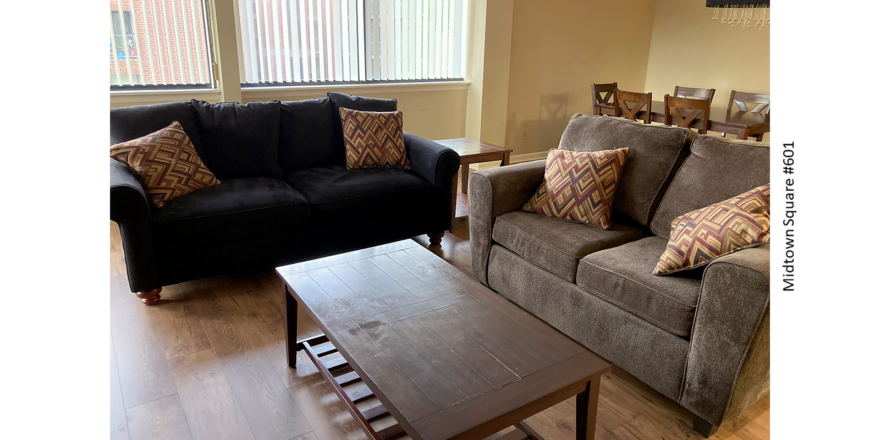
307,91
143,97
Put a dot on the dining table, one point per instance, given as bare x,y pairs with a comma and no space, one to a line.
758,123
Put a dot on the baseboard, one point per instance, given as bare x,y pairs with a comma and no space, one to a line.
516,158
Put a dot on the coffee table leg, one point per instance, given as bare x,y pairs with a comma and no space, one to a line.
290,308
587,402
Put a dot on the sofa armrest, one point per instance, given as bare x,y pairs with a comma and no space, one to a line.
728,366
130,209
494,192
434,162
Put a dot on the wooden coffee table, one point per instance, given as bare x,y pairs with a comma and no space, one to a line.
446,356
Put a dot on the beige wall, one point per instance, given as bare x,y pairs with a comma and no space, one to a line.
433,115
489,69
558,49
690,49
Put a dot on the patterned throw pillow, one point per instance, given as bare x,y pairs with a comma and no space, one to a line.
579,187
166,163
373,139
700,236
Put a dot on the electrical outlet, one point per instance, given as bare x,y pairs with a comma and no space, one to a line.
524,134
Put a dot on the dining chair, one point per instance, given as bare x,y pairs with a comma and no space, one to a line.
639,101
696,108
742,98
690,92
727,128
601,106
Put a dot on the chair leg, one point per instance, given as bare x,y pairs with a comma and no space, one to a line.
150,297
436,238
703,427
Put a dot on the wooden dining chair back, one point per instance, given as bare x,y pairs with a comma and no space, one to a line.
695,109
729,128
690,92
602,94
743,98
639,102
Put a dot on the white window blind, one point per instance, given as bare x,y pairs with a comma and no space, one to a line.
159,44
289,42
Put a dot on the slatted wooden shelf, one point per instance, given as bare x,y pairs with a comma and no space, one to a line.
319,347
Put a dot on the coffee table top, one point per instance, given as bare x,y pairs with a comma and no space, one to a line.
446,355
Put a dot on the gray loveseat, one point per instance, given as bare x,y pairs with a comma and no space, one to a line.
701,338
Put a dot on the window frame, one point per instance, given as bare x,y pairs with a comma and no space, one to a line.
212,84
320,85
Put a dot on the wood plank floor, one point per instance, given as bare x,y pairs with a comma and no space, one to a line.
209,363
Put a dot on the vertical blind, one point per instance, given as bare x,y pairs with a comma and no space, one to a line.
159,43
302,41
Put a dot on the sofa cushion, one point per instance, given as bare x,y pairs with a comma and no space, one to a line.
373,139
307,135
360,103
717,169
655,153
166,164
338,194
241,140
236,209
129,123
622,276
579,187
557,245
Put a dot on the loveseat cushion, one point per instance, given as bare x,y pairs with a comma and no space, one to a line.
655,153
340,195
241,140
236,209
622,276
716,170
579,187
308,135
129,123
557,245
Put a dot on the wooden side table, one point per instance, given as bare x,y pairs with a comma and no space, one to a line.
471,151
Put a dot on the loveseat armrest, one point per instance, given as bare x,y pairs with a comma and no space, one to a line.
130,209
494,192
728,366
436,163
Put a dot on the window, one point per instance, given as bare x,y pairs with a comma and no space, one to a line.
159,44
292,42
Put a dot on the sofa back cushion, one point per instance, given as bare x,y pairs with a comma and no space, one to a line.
716,170
241,140
360,103
655,153
308,135
130,123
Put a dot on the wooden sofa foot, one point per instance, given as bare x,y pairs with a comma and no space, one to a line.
703,427
150,297
436,238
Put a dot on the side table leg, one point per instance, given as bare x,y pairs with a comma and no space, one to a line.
506,159
465,172
587,403
454,202
290,309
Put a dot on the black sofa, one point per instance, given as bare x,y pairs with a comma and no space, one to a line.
285,196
